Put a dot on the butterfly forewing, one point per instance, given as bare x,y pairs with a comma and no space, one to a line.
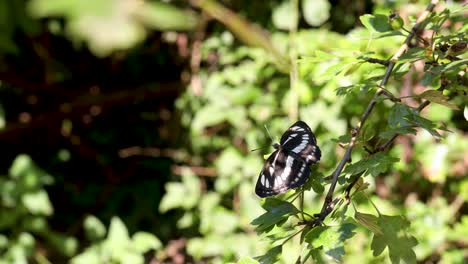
288,166
300,140
280,173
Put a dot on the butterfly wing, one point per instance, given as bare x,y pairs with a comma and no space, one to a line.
280,173
301,142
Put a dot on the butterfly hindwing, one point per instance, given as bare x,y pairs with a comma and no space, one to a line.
300,140
280,173
288,167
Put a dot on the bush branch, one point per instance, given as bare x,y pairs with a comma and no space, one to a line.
329,203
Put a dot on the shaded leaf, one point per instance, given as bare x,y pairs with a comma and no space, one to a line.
271,256
331,238
402,116
277,211
374,165
394,237
94,228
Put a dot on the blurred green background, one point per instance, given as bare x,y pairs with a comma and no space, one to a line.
126,126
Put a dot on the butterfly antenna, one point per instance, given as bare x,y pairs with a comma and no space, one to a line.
268,133
257,149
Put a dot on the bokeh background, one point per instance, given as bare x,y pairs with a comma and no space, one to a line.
126,127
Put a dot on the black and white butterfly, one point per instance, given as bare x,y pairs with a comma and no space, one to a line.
288,167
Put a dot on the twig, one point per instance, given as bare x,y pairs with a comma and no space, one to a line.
328,204
375,60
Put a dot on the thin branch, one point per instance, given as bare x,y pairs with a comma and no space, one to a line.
377,61
329,204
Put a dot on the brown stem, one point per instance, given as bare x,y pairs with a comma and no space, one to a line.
328,203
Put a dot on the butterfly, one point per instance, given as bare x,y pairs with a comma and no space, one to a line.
288,166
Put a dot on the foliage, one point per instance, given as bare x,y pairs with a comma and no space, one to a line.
400,197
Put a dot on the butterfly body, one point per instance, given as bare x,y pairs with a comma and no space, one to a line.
288,166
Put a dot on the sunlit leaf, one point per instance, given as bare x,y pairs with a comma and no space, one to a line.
283,16
378,23
437,97
183,194
247,260
38,202
143,241
368,221
316,12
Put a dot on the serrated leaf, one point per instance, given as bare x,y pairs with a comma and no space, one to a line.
413,54
277,211
315,182
437,97
399,130
402,116
374,165
394,237
271,256
369,221
316,12
331,238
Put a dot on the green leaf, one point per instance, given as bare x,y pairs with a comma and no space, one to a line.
277,211
316,12
315,182
209,115
377,23
37,202
394,237
369,221
162,16
402,115
374,165
87,257
271,256
399,130
117,231
143,241
413,54
247,260
331,238
20,166
283,16
94,228
437,97
183,194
